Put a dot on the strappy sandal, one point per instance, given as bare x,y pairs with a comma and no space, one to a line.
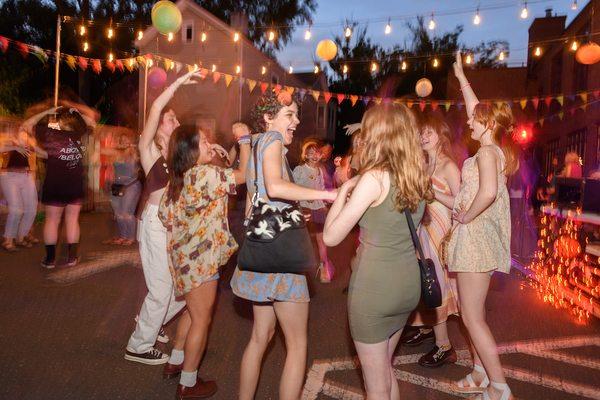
31,239
9,246
23,243
472,387
506,394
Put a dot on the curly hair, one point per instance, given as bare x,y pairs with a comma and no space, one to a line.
269,104
389,140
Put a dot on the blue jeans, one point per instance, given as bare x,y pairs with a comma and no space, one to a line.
21,195
124,209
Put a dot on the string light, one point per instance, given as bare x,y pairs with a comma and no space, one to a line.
574,5
263,70
140,35
348,32
110,57
171,64
373,66
468,59
316,70
538,51
476,18
196,67
149,63
271,35
170,36
290,70
81,30
524,11
238,69
388,28
214,68
307,34
436,63
404,66
131,62
431,25
110,33
501,56
203,37
574,45
236,36
345,69
86,46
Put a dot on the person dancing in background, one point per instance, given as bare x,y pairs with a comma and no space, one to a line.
160,304
480,244
436,223
385,285
310,174
61,140
199,242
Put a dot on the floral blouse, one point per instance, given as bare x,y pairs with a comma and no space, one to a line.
199,240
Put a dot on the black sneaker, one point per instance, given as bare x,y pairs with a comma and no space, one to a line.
151,357
162,336
438,357
418,337
72,261
48,264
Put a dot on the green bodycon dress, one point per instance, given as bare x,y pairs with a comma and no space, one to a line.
385,286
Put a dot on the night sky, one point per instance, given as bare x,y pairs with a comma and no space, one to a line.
503,24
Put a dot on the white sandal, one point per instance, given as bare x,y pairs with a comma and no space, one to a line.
459,386
505,395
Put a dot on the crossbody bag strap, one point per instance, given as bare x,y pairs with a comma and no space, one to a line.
413,234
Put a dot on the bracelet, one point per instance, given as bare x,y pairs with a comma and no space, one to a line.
244,139
465,86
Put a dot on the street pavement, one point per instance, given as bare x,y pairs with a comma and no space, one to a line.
63,335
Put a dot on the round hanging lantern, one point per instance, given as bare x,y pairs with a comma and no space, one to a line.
423,88
567,247
157,77
326,50
166,17
588,53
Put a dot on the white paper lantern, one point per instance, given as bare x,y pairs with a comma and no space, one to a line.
423,88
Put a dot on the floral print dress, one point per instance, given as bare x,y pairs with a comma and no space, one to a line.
199,238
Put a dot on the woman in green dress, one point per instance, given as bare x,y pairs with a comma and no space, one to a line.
385,286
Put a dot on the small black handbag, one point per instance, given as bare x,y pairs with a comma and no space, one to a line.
431,292
276,240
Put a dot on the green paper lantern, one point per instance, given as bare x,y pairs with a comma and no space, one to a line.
166,17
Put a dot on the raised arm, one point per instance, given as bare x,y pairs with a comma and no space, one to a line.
161,101
279,188
28,125
488,186
89,115
468,93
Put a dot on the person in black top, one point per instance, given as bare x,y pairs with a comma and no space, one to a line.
62,144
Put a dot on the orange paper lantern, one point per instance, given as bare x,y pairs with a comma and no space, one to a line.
326,50
588,53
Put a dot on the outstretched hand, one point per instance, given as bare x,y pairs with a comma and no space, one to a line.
219,150
186,79
458,67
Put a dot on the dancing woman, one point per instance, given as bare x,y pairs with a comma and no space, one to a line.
160,304
277,297
480,244
385,285
437,221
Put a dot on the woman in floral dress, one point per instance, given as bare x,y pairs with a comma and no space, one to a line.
194,211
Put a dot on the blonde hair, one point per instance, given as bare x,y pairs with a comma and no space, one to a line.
389,140
499,119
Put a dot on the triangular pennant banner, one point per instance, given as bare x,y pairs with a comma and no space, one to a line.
277,89
315,94
447,105
366,100
251,84
228,79
40,54
571,97
290,89
130,64
110,66
523,103
422,105
203,73
340,97
541,121
548,101
23,49
96,66
3,44
216,76
596,93
327,97
301,94
459,105
71,62
119,65
536,102
560,100
377,100
583,96
353,99
83,63
409,103
434,105
263,87
499,104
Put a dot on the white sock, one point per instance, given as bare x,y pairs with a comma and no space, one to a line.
188,378
176,357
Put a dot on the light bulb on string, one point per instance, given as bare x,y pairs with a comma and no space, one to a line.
501,56
81,29
477,18
574,45
271,35
86,46
110,57
436,63
203,37
524,11
468,59
140,35
538,51
403,66
574,5
238,69
316,70
214,68
344,69
431,24
388,28
290,70
149,63
307,34
131,62
348,32
110,33
170,36
236,36
263,70
374,66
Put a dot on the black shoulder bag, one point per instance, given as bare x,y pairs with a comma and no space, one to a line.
276,241
431,292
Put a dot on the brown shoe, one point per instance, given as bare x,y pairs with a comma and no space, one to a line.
200,390
172,370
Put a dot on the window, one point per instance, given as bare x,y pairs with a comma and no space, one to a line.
188,32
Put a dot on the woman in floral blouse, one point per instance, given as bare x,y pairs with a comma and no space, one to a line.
194,211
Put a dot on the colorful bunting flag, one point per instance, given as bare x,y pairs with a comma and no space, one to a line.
110,66
301,93
536,102
83,63
251,84
216,76
119,65
422,105
434,105
327,97
277,89
263,87
96,66
366,100
228,79
3,44
340,97
290,89
560,100
23,49
409,103
523,103
447,105
583,96
548,101
71,62
353,99
315,94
